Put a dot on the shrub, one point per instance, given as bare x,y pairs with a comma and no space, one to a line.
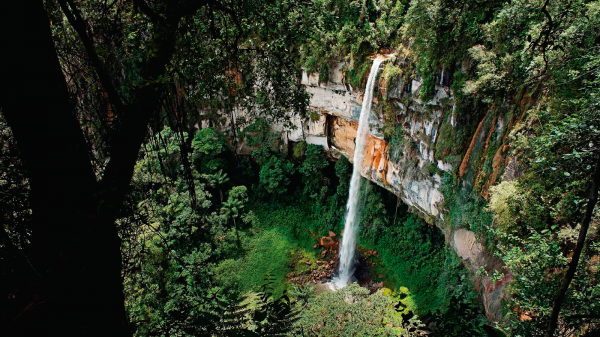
311,168
274,175
351,311
209,147
299,150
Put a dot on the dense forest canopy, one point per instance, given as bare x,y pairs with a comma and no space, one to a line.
145,189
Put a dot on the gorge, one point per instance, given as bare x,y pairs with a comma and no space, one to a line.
286,168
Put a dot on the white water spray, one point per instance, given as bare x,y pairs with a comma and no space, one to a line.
348,249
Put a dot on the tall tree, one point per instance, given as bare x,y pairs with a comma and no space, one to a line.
74,248
73,285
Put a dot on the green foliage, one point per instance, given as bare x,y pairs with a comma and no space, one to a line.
506,201
392,73
260,136
266,251
538,217
414,256
442,32
162,158
461,314
209,147
236,202
278,231
295,221
182,252
432,168
311,168
219,179
314,115
15,207
373,216
275,316
396,143
324,73
539,264
539,212
450,139
331,208
428,87
354,28
298,150
351,311
172,270
466,209
275,175
343,171
234,207
358,74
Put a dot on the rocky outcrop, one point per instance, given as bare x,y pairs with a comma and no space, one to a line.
469,249
409,176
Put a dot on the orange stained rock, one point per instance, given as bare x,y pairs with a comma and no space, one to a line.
465,162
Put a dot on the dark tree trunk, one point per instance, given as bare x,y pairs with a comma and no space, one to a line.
76,288
585,225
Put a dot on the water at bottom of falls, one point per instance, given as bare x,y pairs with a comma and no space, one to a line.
351,225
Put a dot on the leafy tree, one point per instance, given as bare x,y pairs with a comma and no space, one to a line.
311,168
130,66
233,209
342,171
173,293
209,147
299,150
275,175
218,180
162,157
350,29
15,209
374,214
265,141
274,316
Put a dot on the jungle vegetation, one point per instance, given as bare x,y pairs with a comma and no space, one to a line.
136,199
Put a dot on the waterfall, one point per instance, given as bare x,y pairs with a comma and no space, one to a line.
348,248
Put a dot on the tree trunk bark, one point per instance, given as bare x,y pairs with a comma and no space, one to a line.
585,225
75,250
75,247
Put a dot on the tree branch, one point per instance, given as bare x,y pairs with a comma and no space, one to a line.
145,104
149,12
585,225
80,27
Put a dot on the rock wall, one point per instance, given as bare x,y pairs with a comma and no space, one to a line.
408,177
411,170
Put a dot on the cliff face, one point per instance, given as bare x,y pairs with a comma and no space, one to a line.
408,176
412,168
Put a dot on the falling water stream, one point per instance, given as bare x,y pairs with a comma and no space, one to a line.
348,248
